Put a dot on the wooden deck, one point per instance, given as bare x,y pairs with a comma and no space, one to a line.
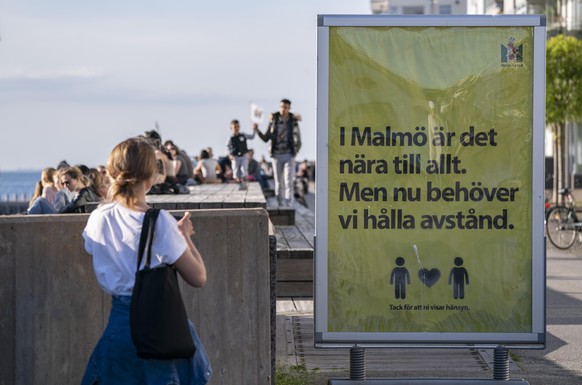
295,245
211,196
207,196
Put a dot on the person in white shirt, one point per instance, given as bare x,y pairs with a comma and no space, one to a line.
112,238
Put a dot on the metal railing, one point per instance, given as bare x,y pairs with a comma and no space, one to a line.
15,197
13,206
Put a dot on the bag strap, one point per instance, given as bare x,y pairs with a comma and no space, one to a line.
147,237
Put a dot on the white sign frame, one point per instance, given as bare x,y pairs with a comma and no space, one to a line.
534,339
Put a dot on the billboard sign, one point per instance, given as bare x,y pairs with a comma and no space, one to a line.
429,216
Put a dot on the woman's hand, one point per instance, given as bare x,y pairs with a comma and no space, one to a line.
185,226
190,265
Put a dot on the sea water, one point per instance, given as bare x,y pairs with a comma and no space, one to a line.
18,185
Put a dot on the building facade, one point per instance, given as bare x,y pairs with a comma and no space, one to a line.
419,7
561,15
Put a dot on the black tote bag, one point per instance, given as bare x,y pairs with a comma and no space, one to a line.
158,319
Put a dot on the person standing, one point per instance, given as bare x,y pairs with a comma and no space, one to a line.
112,237
237,150
285,142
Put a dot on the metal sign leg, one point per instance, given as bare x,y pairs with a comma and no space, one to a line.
501,363
357,363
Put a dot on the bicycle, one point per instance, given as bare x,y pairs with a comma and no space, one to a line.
562,223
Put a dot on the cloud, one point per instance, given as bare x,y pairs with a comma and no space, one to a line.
96,72
55,74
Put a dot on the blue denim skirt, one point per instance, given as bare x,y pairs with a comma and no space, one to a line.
114,360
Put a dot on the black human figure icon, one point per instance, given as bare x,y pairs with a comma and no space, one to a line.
458,277
399,278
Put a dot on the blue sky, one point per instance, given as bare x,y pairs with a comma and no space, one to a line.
76,78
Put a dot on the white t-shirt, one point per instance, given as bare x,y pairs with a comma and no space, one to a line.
209,169
112,238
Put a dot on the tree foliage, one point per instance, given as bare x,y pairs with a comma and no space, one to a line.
563,80
563,99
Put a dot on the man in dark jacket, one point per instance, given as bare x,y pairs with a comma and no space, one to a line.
285,142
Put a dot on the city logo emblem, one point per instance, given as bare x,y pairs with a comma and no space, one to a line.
512,54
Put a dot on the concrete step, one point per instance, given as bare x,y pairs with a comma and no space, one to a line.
295,347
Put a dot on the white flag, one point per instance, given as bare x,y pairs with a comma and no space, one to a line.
257,114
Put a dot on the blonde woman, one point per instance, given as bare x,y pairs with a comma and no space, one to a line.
45,194
35,201
99,183
64,196
84,189
49,191
112,238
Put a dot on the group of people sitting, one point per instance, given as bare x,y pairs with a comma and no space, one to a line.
68,189
177,170
211,170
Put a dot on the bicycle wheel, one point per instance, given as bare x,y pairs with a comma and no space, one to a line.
561,227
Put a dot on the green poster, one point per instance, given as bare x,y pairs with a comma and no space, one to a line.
429,202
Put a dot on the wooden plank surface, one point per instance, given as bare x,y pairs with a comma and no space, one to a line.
294,270
295,254
212,196
294,238
295,289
